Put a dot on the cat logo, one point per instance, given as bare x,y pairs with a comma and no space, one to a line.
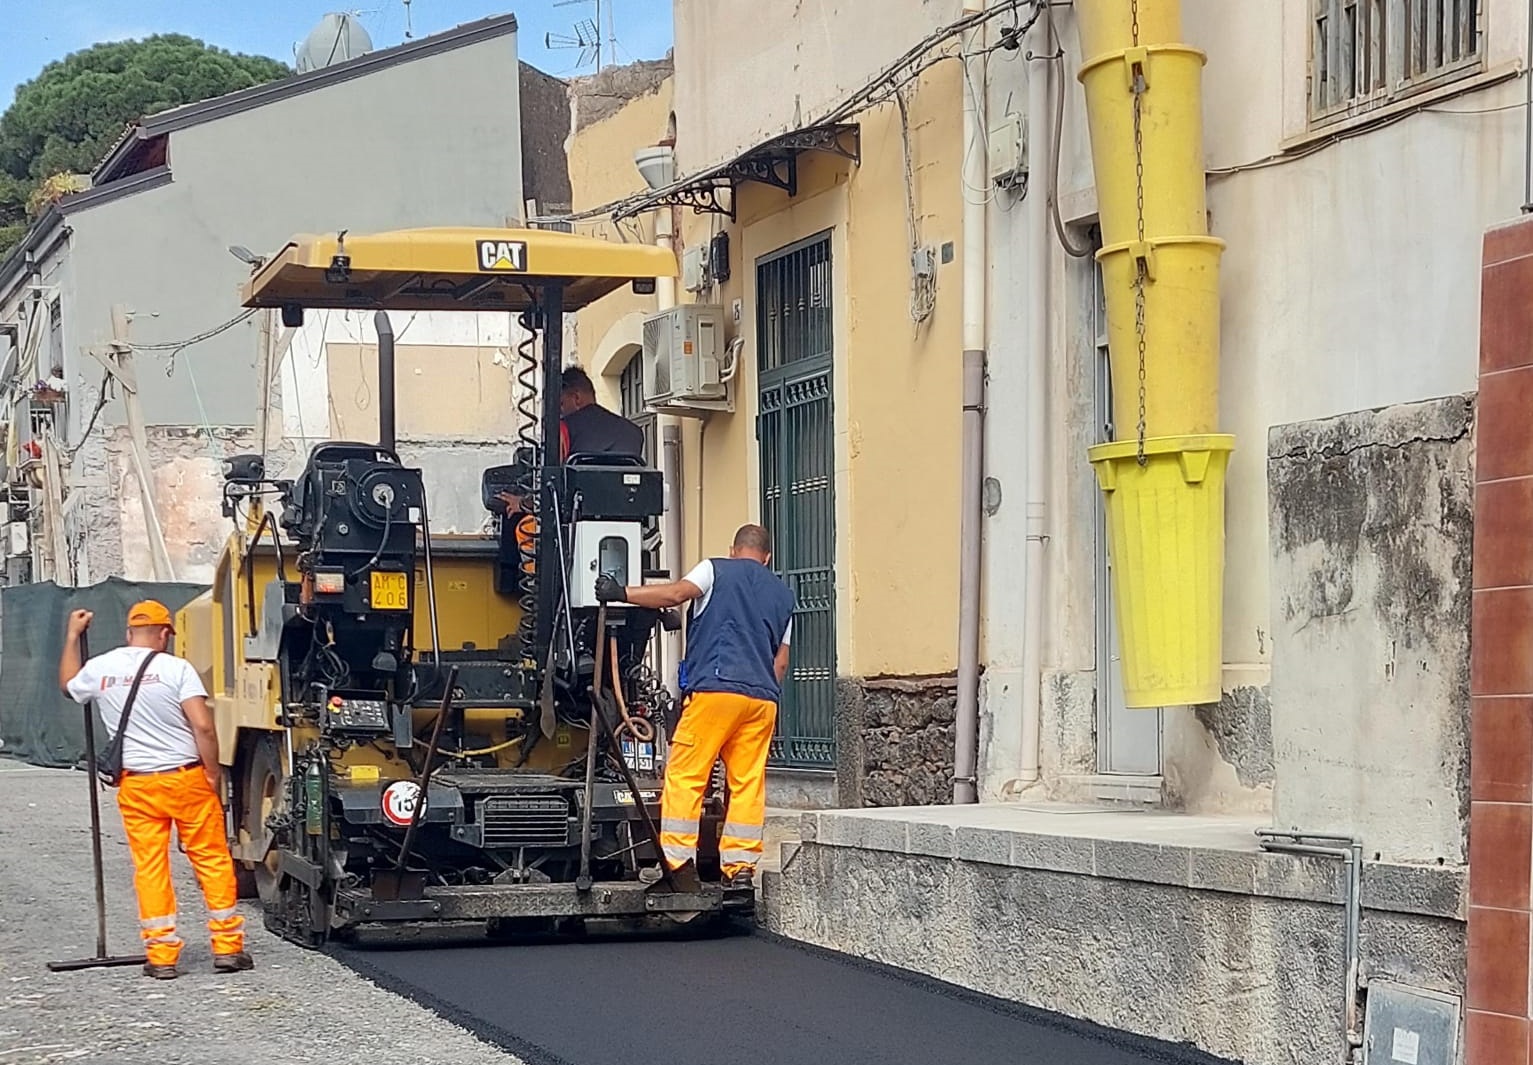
503,256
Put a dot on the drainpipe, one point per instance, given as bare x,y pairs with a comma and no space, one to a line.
670,465
972,472
1527,164
1039,130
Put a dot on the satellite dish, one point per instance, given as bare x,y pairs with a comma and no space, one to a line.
337,38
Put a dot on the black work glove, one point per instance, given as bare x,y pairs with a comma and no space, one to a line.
608,590
670,620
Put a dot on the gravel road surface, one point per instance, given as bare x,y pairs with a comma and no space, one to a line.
295,1006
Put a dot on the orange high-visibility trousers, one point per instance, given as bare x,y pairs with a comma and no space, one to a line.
738,729
150,804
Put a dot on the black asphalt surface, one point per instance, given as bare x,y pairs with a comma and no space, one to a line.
748,999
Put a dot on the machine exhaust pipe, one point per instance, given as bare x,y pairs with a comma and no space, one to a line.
386,436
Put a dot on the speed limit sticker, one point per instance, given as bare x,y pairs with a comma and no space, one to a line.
399,800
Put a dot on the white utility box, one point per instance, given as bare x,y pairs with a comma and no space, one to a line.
614,547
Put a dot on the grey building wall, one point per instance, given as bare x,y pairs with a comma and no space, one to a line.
545,128
430,142
1372,519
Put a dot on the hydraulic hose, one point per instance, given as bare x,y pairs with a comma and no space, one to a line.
641,730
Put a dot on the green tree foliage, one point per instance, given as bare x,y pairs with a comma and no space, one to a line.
65,119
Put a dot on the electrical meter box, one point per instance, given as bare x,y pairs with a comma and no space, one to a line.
612,547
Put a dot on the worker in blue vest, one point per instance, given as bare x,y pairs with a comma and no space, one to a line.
739,626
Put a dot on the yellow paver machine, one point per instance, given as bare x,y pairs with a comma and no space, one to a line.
423,729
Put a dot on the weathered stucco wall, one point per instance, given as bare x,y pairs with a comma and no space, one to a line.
187,463
1372,542
796,61
545,129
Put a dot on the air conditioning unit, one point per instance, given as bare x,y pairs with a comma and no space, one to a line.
683,355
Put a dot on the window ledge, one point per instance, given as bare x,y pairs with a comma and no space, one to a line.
1333,128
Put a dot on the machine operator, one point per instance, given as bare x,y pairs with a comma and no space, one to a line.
585,428
740,623
171,779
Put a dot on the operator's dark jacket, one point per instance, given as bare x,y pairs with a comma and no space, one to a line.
596,430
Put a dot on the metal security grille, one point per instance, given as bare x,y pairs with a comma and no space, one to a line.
631,390
1373,51
631,386
525,821
797,438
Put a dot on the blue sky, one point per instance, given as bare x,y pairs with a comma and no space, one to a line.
37,33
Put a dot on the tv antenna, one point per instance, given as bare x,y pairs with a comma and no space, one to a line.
588,34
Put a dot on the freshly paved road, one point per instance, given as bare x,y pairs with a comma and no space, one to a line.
728,999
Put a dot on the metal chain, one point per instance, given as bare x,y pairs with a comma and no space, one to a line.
1141,266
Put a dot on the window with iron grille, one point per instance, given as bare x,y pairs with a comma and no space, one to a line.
55,336
1365,53
631,386
631,392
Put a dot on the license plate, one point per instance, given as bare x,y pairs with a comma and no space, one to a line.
391,591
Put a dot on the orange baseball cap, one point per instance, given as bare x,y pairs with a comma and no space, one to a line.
150,613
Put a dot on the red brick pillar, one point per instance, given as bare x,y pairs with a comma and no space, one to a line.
1501,673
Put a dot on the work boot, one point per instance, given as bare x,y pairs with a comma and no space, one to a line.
160,972
684,879
744,880
233,963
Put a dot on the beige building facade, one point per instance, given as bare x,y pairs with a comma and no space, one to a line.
1355,156
841,425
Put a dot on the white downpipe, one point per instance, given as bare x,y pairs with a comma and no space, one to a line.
669,433
970,530
1040,238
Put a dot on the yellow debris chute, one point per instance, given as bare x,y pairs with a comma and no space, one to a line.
1163,479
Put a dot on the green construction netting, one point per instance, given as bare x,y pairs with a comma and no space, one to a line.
38,723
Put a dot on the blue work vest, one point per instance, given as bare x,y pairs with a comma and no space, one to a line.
732,645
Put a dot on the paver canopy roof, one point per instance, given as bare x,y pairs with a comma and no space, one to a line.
446,269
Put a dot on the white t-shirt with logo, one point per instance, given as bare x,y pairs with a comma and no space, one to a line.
159,736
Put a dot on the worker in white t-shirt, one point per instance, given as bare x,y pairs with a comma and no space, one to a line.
171,778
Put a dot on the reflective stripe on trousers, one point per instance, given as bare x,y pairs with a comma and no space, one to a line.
737,729
150,807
